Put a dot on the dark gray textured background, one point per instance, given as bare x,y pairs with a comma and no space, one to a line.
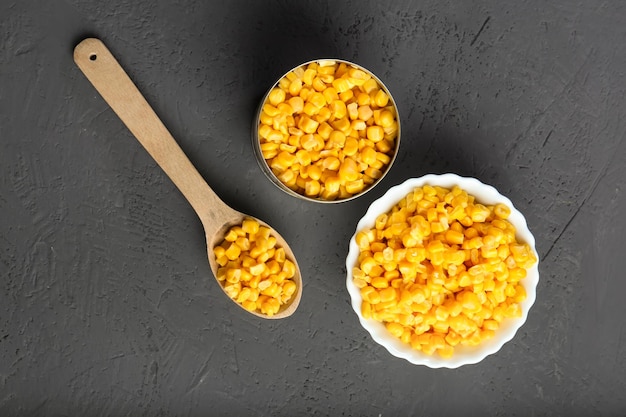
107,304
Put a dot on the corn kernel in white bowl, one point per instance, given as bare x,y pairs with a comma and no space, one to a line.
463,355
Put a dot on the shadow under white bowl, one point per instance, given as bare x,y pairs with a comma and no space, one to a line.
463,355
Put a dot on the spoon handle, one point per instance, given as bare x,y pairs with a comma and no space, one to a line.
109,78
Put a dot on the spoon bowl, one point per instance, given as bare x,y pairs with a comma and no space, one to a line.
117,89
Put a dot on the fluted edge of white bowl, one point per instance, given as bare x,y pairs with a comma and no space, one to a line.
485,194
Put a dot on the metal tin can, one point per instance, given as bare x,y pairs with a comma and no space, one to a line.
270,174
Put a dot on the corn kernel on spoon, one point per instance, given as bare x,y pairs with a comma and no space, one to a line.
111,81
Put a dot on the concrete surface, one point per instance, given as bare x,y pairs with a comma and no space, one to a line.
107,306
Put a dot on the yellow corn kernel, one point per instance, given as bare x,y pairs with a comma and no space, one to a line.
368,155
332,184
312,142
363,99
264,132
358,125
314,172
310,109
370,295
368,84
312,188
353,111
395,329
233,275
303,157
355,187
318,84
387,295
219,251
519,252
338,109
257,270
341,85
323,115
285,110
275,136
249,305
282,161
232,234
307,125
254,294
296,103
289,288
381,98
391,131
305,91
365,112
469,301
454,237
520,293
342,124
288,177
380,282
270,110
276,96
366,310
375,133
273,266
309,75
266,119
289,268
250,226
516,274
385,146
502,211
446,351
279,255
351,147
479,213
386,119
487,252
360,283
348,171
384,158
233,252
243,243
324,130
243,295
331,163
455,257
273,290
435,246
513,311
316,99
283,84
330,94
270,307
357,76
232,290
336,139
408,270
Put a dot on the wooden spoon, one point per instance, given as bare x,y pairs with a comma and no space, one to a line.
109,78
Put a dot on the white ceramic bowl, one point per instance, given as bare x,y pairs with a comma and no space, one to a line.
463,355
